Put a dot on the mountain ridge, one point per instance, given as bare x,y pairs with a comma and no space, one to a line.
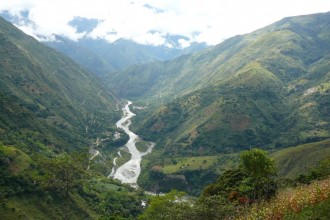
53,92
222,60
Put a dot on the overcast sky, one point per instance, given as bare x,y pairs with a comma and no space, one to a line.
149,21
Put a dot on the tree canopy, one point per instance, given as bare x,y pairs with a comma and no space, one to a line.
257,164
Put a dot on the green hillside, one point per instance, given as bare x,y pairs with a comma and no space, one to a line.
288,49
47,101
296,160
268,88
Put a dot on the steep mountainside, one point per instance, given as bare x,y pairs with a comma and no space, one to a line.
288,48
268,88
47,101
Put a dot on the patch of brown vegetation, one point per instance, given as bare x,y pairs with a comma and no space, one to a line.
239,123
157,168
157,126
210,110
34,89
201,150
177,177
192,136
211,125
308,105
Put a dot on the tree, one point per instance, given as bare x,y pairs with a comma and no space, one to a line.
63,174
261,169
253,180
257,164
212,207
168,206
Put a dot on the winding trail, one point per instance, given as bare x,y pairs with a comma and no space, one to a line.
130,171
94,153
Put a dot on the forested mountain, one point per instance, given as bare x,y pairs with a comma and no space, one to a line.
267,89
290,49
46,99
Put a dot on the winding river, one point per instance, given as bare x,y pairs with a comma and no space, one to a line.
130,171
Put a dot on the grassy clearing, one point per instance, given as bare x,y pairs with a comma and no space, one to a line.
296,160
18,159
219,163
174,165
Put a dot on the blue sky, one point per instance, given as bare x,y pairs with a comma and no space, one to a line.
150,21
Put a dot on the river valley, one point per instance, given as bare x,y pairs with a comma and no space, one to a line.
130,171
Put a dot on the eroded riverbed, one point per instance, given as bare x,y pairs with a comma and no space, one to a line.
130,171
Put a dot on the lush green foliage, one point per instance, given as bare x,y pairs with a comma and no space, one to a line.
257,164
235,187
63,173
60,188
174,206
163,207
225,199
253,181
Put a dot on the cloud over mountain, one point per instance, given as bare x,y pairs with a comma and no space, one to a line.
151,21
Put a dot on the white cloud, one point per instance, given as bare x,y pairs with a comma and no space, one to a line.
149,21
184,43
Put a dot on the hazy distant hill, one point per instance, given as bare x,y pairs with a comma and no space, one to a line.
102,57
